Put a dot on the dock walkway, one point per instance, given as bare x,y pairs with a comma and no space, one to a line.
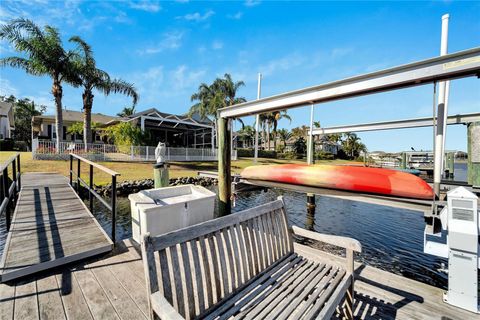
51,226
112,286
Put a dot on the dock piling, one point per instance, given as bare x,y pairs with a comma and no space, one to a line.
473,148
224,169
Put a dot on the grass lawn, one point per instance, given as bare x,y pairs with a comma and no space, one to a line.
135,170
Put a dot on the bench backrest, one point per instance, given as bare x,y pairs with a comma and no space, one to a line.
201,265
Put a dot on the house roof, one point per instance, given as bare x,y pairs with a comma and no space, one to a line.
194,119
77,116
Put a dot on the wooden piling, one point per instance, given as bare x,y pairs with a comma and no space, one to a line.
224,167
473,148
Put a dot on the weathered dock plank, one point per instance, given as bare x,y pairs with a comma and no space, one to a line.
51,226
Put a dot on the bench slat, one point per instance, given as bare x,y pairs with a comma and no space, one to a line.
248,250
200,294
260,292
177,279
188,271
278,290
216,268
206,271
290,260
298,295
229,254
204,228
236,256
164,267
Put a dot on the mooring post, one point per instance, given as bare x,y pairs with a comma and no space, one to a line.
450,165
473,148
160,175
403,164
224,169
311,160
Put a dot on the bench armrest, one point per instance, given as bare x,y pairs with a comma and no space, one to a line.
349,244
163,309
343,242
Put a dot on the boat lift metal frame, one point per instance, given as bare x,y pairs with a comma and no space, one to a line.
447,67
397,124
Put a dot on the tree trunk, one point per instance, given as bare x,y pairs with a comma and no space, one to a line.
87,117
57,92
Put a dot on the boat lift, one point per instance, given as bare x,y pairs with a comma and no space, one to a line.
455,222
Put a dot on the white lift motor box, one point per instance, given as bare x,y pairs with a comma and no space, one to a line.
461,225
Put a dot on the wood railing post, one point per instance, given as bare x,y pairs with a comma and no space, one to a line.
90,194
6,196
114,206
14,181
224,169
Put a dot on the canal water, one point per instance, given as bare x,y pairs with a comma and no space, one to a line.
392,239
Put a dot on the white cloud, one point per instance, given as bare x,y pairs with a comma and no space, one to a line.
182,77
7,89
197,16
252,3
170,41
236,16
282,64
217,45
144,5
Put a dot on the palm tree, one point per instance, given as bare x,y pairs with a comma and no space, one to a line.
93,78
127,111
284,135
45,55
277,116
220,94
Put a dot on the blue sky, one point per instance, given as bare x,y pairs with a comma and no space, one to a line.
168,48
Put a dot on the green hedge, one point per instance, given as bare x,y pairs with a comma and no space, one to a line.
250,153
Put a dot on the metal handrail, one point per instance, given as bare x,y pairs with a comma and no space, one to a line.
9,191
89,186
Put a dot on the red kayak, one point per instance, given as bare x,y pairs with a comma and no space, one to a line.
350,178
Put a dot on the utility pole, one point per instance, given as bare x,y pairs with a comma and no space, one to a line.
257,121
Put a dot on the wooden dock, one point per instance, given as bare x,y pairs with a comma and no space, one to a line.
51,226
113,287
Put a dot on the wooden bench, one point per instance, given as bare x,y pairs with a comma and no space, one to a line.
244,266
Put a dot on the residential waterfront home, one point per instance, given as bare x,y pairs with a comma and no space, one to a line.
43,127
174,130
7,120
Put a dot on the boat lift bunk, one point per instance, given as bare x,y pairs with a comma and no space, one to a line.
441,222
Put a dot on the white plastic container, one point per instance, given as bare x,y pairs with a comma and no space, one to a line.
162,210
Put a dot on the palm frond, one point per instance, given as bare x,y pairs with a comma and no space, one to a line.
123,87
21,63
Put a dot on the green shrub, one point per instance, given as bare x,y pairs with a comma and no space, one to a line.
322,155
250,153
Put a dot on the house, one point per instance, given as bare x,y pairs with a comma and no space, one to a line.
7,120
321,144
43,127
174,130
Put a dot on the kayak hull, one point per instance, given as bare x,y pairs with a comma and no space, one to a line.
350,178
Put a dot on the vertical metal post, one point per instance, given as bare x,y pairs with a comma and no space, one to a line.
78,176
441,115
6,196
90,194
71,170
224,169
257,118
20,174
114,206
14,179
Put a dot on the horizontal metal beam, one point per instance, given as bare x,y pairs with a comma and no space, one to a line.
397,124
177,121
452,66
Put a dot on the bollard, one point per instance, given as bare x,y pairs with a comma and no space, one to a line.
473,146
403,164
450,165
160,175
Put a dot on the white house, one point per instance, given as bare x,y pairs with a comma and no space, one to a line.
7,120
